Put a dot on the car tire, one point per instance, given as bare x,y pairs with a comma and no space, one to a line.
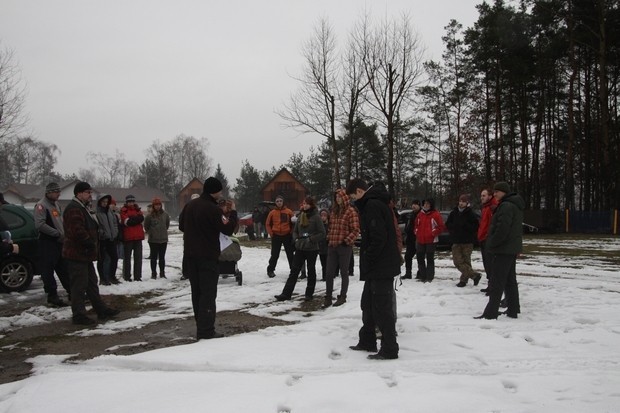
15,274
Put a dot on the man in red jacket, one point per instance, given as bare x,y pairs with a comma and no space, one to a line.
133,235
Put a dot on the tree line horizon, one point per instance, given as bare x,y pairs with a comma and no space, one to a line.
528,94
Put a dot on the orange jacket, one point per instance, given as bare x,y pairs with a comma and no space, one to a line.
279,221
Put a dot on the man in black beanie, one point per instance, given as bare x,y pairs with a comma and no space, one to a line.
201,222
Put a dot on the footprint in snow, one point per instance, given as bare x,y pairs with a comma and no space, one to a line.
335,355
510,386
292,380
581,320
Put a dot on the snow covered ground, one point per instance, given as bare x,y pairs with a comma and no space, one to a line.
561,355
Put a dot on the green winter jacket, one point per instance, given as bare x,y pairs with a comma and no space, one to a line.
307,237
156,226
506,231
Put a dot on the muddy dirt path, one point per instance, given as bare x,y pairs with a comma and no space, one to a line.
57,338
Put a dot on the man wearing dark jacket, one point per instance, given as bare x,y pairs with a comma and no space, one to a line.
504,243
48,222
201,222
80,249
108,234
410,240
379,264
463,226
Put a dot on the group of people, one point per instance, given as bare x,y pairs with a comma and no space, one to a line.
498,231
72,240
83,233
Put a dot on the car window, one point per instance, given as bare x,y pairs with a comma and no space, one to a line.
14,221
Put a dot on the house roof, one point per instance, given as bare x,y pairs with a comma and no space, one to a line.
33,193
194,179
142,194
280,172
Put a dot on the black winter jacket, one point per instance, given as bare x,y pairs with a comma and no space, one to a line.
201,222
379,255
463,226
506,231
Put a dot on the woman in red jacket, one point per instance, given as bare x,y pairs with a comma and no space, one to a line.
428,226
133,234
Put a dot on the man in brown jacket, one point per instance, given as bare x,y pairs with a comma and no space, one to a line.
80,249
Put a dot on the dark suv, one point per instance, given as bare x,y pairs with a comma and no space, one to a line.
17,270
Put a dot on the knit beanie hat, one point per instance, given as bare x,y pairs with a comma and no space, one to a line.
81,187
502,186
156,201
52,187
212,186
130,198
465,198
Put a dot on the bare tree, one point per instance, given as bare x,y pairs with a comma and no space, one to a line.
108,166
12,96
312,108
28,160
191,158
393,57
352,89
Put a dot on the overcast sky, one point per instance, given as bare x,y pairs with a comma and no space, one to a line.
107,75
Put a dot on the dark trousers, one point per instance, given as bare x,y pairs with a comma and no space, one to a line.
504,279
323,259
351,265
378,311
338,257
108,260
277,241
136,248
425,254
158,253
409,254
203,277
486,259
84,282
50,260
309,257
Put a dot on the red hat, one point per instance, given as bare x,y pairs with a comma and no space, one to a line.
156,201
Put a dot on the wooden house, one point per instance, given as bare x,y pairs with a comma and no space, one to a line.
185,195
285,184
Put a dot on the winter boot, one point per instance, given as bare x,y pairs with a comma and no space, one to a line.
154,276
162,274
56,301
340,300
328,301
